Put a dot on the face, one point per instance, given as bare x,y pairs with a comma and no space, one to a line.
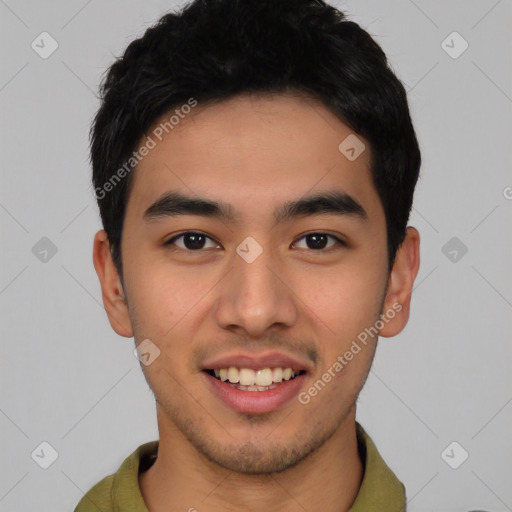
268,254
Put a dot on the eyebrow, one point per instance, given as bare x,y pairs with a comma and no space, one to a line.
335,202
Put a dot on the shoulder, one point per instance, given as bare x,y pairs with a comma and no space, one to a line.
121,491
98,498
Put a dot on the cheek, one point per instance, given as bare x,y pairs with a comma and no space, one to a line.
165,299
345,301
159,305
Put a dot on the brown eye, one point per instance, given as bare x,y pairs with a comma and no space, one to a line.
319,241
192,241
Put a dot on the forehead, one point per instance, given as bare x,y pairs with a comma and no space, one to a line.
250,150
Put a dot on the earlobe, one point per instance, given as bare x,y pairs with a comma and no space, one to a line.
112,291
401,280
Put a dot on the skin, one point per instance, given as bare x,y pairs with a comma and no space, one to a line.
293,298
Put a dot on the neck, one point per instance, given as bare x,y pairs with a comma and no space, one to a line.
183,479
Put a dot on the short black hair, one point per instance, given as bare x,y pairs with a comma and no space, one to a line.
211,50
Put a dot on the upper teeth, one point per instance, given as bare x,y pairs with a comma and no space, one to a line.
250,377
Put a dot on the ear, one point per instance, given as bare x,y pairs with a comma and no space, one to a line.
112,291
400,283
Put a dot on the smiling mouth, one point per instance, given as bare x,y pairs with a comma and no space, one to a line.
247,379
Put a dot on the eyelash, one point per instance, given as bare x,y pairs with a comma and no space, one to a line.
339,242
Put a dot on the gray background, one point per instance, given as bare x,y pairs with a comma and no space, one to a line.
69,380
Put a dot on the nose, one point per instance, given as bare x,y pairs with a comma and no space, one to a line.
256,297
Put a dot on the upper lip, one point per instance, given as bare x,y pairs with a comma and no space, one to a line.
256,362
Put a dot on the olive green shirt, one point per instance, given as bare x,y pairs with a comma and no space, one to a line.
380,489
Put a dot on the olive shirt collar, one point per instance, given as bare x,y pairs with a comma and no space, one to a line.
380,490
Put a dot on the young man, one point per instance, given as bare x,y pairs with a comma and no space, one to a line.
254,163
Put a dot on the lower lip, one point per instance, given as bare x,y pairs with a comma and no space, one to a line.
256,402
